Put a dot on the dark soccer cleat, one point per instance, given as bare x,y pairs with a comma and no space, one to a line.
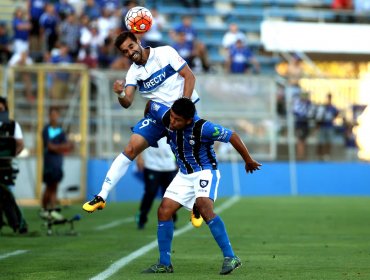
96,203
159,268
230,264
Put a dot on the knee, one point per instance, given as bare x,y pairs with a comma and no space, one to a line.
130,151
164,213
206,210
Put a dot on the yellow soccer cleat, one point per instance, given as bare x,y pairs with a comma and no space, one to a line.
195,217
96,203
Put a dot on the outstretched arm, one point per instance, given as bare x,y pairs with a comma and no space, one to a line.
250,164
125,96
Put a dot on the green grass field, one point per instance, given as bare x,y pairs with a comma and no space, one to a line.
276,238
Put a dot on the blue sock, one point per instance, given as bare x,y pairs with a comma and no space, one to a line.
165,235
218,230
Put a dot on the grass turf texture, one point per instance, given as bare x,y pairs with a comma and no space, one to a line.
276,238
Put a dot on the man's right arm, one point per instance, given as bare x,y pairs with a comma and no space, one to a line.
125,95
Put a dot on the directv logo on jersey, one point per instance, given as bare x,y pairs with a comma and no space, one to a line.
154,81
203,183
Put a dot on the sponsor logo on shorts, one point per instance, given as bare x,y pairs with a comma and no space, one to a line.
203,183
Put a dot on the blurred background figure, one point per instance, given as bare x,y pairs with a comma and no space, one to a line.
241,59
159,168
186,26
55,146
23,59
35,9
303,113
49,22
21,31
293,74
325,116
232,35
350,143
12,144
343,9
184,48
154,37
59,86
5,46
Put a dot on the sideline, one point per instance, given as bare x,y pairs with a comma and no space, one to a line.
115,223
18,252
113,268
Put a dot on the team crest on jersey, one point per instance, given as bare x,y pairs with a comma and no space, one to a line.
191,142
203,183
155,107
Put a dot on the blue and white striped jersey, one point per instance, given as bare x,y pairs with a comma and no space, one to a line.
193,146
158,79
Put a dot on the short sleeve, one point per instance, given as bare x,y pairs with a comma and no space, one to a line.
175,60
216,132
131,79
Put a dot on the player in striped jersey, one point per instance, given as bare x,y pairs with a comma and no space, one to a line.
191,140
160,75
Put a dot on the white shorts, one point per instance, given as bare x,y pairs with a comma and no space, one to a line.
185,188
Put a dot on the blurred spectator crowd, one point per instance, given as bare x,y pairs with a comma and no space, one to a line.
87,30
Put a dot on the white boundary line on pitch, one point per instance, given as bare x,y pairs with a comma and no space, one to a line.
7,255
113,268
115,223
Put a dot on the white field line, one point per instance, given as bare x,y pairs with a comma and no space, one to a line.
115,223
7,255
113,268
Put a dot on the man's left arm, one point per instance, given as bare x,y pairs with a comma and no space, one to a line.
250,164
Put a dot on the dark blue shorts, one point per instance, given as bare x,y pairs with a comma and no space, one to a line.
151,126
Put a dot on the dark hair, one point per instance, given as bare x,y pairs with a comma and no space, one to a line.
4,102
123,36
184,107
53,108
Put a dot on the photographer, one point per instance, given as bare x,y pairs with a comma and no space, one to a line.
11,142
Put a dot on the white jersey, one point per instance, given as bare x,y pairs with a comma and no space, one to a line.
158,79
161,158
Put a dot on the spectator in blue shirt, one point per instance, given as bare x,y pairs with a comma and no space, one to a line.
200,49
21,31
64,9
325,116
49,27
60,80
241,59
35,9
184,48
91,9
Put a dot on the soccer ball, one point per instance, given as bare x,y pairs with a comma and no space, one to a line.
138,20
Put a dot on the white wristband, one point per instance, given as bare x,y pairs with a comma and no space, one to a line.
122,94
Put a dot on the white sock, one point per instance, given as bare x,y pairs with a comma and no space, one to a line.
116,171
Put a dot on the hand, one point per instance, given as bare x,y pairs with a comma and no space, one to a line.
118,86
252,166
